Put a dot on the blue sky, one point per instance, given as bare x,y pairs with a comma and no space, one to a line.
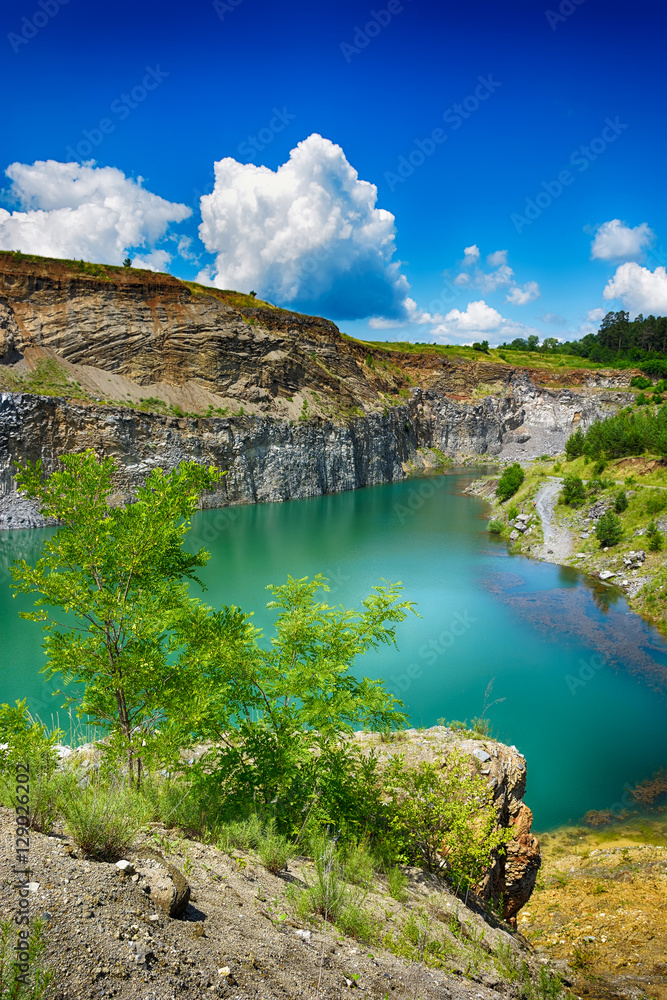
463,117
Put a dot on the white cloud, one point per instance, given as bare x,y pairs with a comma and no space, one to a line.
554,319
156,260
500,278
462,279
595,315
497,258
477,317
641,290
616,241
82,211
520,296
471,254
478,321
307,234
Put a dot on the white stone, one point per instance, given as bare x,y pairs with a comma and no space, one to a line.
125,867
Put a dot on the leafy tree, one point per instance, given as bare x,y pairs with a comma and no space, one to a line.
533,342
277,714
608,530
483,347
621,502
573,492
112,589
127,262
510,481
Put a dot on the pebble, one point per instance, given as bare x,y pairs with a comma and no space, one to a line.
125,867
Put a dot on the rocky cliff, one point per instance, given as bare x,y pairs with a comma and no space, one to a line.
153,371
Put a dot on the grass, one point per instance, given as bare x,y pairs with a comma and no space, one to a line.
11,987
102,819
48,379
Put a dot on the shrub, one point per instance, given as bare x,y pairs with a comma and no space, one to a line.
573,492
599,467
654,537
398,884
655,502
495,527
608,530
640,382
13,984
275,851
621,502
444,818
510,481
574,446
103,819
242,835
358,923
359,865
28,741
512,512
642,399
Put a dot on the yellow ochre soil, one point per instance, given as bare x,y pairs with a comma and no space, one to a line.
600,905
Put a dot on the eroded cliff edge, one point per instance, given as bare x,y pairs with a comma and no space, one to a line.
153,370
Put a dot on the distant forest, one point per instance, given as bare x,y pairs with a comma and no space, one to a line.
619,342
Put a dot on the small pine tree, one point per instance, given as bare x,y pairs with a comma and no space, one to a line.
127,262
621,502
608,530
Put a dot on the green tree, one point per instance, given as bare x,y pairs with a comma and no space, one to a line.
510,481
654,537
608,530
575,445
573,492
621,502
277,713
112,588
127,262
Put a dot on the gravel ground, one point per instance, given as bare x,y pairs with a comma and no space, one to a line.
238,937
557,545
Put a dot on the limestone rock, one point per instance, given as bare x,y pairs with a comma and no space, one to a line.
165,885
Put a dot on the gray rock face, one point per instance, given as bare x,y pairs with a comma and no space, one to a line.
271,459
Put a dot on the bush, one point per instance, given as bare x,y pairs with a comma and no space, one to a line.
12,983
621,502
608,530
275,851
575,445
640,382
656,501
573,492
103,819
444,818
28,741
512,512
510,481
599,467
359,865
398,884
356,922
654,537
495,527
642,399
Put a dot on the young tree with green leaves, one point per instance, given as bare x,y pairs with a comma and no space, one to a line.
278,713
112,588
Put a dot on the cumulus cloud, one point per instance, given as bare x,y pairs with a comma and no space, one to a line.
520,296
471,254
616,241
82,211
308,234
640,289
497,259
478,321
492,280
595,315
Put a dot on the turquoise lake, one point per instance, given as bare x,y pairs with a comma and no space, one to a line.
584,681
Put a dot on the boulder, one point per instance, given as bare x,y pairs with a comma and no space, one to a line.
162,882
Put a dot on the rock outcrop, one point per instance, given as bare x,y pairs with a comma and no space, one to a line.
152,370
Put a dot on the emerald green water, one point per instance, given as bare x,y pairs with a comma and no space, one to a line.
584,681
